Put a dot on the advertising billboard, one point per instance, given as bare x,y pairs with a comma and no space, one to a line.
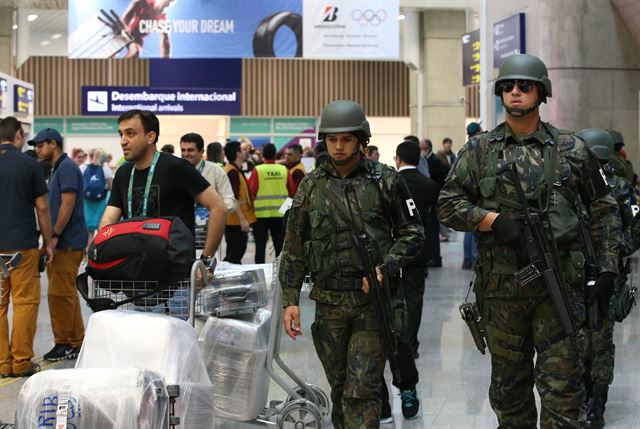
340,29
185,28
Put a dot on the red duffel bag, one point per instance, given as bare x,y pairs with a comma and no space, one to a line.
157,249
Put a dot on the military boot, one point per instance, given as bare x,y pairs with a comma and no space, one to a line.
595,413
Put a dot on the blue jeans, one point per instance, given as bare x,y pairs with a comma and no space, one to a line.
470,248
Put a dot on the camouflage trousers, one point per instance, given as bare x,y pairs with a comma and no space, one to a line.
600,355
514,327
349,345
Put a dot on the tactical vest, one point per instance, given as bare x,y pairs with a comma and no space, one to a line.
547,187
331,254
272,190
244,199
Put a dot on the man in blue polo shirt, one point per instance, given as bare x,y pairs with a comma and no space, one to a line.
22,187
66,198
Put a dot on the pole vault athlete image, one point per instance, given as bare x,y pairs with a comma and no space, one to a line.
146,11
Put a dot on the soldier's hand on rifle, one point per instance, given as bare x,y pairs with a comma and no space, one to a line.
365,282
506,230
291,320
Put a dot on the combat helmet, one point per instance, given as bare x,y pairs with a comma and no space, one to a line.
344,116
599,142
618,140
524,67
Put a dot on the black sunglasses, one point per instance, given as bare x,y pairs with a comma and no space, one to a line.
524,85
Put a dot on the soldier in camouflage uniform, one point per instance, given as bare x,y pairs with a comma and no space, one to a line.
479,195
601,352
318,240
618,164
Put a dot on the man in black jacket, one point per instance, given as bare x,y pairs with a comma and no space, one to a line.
439,173
425,195
424,192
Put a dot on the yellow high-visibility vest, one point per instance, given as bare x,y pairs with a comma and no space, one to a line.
272,190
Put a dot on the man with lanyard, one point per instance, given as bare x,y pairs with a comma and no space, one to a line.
22,187
156,184
66,199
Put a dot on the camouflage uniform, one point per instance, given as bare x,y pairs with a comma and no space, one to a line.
517,320
601,354
319,240
621,167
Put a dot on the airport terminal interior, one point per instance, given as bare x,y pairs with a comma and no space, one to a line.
261,71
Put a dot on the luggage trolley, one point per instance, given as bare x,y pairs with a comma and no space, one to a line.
306,405
178,299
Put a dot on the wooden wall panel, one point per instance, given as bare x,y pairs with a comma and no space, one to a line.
472,95
58,81
303,87
270,87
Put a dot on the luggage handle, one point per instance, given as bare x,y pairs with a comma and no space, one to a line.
232,295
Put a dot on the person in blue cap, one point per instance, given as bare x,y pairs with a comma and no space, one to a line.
69,234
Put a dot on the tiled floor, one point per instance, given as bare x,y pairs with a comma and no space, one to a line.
454,376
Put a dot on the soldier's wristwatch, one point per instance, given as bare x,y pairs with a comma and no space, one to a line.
55,235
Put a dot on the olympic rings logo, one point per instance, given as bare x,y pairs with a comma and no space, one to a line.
369,17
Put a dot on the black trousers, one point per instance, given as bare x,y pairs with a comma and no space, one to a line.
236,243
408,373
413,288
433,237
261,230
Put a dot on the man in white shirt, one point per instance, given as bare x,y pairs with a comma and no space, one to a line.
192,149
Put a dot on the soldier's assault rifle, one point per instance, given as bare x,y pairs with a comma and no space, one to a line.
544,259
380,292
593,313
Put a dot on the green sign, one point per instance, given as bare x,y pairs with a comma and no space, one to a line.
42,123
92,126
304,141
250,125
294,125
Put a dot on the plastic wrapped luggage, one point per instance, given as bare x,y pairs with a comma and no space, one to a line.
131,398
167,345
234,292
235,353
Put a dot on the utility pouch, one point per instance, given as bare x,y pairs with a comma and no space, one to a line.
471,316
622,302
399,318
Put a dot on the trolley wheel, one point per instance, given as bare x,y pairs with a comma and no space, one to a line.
299,414
323,401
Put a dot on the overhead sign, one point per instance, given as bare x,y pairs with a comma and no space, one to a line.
351,29
185,28
23,100
114,100
471,58
508,38
4,89
339,29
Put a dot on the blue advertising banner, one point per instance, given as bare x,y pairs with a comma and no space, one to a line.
195,73
114,100
185,28
22,100
508,38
